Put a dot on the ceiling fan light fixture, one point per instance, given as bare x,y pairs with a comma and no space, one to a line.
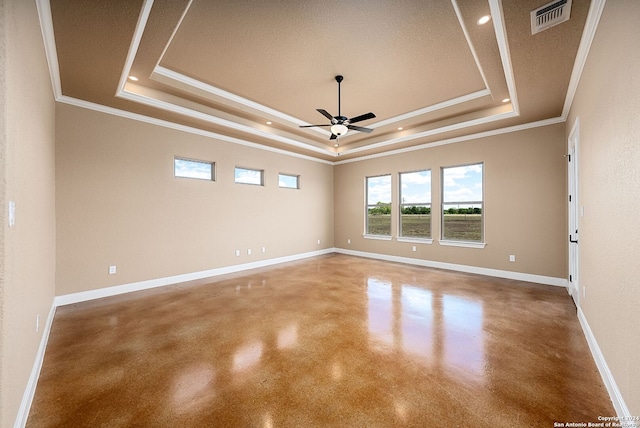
339,129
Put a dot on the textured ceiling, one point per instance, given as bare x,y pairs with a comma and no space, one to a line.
228,67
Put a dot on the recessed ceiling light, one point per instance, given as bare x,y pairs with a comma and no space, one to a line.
133,78
484,19
399,128
336,145
268,122
506,100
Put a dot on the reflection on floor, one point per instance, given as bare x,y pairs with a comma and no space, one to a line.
329,341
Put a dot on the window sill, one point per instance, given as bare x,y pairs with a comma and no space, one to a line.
427,241
378,237
466,244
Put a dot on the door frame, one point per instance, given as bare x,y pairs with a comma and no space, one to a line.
573,279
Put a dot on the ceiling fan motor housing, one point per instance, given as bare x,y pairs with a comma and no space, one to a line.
340,125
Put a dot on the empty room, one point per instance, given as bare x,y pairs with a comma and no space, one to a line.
265,214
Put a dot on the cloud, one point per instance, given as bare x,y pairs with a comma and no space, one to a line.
248,176
379,189
462,183
192,169
416,187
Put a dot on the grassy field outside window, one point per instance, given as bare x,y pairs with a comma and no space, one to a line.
462,203
415,204
378,205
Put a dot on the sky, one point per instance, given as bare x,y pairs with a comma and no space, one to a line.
248,176
192,169
461,184
290,181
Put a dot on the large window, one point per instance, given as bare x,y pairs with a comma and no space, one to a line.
462,203
415,204
189,168
379,205
249,176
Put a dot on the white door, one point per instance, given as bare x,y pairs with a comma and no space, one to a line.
574,284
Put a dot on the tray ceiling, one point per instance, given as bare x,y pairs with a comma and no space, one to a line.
228,68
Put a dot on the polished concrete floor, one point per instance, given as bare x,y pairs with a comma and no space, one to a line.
329,341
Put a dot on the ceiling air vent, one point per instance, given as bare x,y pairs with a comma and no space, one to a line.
550,14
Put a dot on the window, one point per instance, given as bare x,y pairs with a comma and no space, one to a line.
379,205
188,168
415,204
249,176
462,216
288,181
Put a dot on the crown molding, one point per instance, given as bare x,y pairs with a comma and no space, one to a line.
589,32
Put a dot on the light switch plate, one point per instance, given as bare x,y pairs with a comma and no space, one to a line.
12,213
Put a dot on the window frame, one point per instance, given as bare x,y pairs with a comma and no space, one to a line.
401,205
460,242
368,206
296,176
261,171
199,161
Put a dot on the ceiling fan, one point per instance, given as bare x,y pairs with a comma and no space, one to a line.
340,125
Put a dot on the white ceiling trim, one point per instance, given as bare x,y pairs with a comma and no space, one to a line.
473,50
210,89
460,139
197,84
432,108
431,132
184,128
46,27
135,44
503,46
593,19
164,105
173,34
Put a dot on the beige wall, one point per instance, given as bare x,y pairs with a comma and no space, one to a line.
608,105
118,203
524,201
27,252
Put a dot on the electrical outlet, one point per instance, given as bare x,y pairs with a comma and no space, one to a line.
112,270
264,249
413,248
37,323
318,242
512,258
349,241
249,252
237,253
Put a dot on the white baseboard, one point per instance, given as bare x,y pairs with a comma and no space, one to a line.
30,389
612,388
83,296
540,279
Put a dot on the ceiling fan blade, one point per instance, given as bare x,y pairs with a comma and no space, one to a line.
333,137
309,126
324,113
362,117
360,128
